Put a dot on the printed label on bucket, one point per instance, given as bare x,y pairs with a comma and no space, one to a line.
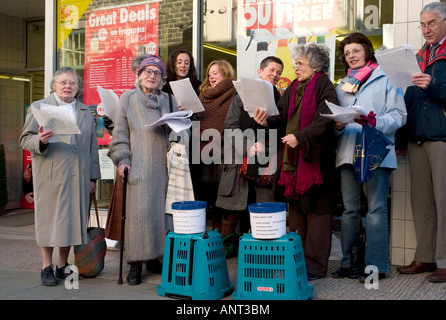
268,225
189,221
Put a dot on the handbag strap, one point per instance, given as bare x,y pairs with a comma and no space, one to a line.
93,198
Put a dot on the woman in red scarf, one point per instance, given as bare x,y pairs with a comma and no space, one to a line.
308,171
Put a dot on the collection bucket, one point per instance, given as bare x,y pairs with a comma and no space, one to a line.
268,220
189,217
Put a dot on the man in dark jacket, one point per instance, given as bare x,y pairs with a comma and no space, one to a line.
424,136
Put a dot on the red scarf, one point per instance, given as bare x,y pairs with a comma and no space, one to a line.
423,55
306,175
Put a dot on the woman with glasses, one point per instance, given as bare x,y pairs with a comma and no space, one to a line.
366,86
307,171
142,151
64,175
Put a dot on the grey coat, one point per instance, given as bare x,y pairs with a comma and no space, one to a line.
61,181
145,150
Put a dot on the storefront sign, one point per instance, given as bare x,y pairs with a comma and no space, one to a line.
113,37
268,27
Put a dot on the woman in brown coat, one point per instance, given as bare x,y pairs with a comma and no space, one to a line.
307,173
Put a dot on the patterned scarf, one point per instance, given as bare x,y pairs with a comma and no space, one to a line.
358,76
297,175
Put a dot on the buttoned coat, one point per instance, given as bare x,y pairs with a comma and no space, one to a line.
61,179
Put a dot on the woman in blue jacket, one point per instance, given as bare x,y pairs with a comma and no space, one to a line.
367,86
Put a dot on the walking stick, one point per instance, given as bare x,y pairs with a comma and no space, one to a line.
126,171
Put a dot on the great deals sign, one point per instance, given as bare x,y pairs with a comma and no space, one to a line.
113,37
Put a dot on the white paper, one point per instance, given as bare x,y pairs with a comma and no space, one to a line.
177,121
59,120
110,102
255,94
185,95
399,64
344,115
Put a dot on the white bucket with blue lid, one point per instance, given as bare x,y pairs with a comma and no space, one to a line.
268,220
189,217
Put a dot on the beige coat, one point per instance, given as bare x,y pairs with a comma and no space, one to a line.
61,179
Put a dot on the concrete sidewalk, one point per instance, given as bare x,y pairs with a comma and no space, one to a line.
20,265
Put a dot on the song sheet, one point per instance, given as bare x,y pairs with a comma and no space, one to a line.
185,95
399,64
255,94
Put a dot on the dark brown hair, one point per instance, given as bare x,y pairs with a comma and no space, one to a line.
361,39
170,66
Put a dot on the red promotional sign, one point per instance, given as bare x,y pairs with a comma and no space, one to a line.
28,194
113,37
287,14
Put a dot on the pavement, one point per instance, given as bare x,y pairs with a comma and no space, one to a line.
20,264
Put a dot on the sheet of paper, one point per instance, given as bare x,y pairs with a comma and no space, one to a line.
59,119
399,64
255,94
110,102
344,115
185,95
177,121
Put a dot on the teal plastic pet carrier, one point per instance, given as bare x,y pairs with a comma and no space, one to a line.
194,267
272,269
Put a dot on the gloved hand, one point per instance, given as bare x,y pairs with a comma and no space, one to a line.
370,119
108,123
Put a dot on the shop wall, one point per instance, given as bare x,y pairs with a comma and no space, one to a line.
403,241
12,103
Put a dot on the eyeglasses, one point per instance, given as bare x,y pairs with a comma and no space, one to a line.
431,25
354,52
299,65
65,83
148,72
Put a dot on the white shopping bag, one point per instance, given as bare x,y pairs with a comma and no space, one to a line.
179,186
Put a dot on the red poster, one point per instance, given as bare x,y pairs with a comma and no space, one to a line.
27,195
113,37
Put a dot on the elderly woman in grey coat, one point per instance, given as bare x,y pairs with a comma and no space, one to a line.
64,175
143,151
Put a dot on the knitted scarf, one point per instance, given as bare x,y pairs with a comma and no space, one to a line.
297,175
357,76
216,102
149,100
423,55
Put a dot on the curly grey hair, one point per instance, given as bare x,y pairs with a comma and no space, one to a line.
64,70
318,55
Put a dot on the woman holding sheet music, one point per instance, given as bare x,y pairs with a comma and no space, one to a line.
180,65
307,154
143,151
64,175
216,94
367,86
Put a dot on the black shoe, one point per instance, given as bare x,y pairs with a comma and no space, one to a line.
47,276
61,274
154,265
311,277
134,276
341,273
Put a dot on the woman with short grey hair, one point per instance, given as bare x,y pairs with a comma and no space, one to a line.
308,174
64,176
318,55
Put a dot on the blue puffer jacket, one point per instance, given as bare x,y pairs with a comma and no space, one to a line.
426,120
